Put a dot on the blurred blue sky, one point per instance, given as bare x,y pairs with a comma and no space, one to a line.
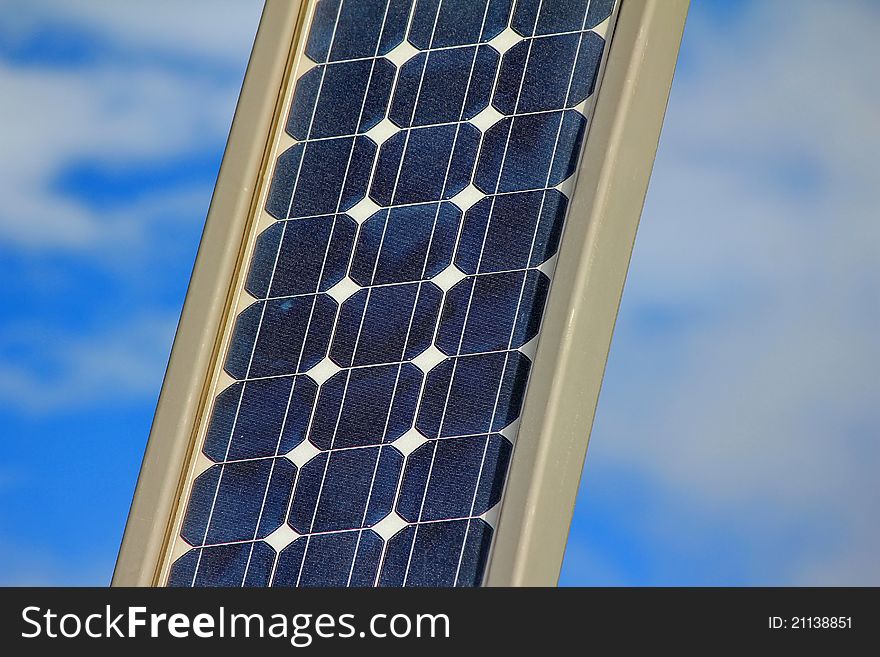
736,440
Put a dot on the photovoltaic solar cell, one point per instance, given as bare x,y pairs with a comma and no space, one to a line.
381,367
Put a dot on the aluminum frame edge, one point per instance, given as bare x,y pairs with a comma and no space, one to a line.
594,255
183,393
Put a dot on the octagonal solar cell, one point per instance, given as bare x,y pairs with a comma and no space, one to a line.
445,23
386,324
321,177
366,406
350,30
301,256
444,86
345,489
343,98
425,164
281,336
405,244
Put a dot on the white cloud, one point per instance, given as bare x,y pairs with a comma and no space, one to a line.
114,115
760,243
59,370
170,95
113,118
196,28
158,87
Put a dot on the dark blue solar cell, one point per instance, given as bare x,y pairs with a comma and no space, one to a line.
475,554
466,478
228,499
492,312
473,394
263,261
356,29
321,177
408,243
291,336
586,70
443,86
459,22
397,557
333,560
313,256
449,553
333,489
252,415
241,564
378,406
511,231
437,163
560,72
559,15
386,324
290,563
183,570
201,500
535,151
340,99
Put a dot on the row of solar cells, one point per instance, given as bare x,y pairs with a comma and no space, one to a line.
362,28
388,324
422,165
445,86
465,396
407,244
447,553
347,489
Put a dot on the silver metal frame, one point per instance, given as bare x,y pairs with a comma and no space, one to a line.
576,333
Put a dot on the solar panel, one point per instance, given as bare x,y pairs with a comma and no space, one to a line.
380,366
